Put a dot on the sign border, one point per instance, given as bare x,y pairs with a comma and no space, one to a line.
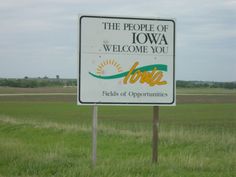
80,102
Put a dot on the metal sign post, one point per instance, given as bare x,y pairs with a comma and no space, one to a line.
94,132
155,125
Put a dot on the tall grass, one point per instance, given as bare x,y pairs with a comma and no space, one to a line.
54,139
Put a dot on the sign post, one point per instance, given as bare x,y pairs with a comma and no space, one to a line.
94,135
126,61
155,138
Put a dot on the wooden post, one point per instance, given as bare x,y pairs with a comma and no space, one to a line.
155,125
94,132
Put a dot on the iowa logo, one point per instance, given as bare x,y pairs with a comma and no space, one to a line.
150,74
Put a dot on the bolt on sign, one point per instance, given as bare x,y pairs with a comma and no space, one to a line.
126,61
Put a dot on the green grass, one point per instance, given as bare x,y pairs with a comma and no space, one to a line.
54,139
205,91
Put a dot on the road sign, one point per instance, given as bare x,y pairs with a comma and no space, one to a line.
126,60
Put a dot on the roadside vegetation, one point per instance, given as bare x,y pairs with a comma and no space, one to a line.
40,139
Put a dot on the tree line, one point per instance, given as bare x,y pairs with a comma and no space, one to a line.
37,82
58,82
205,84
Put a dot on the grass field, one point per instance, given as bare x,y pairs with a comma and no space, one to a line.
42,138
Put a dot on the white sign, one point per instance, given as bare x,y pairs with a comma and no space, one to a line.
126,61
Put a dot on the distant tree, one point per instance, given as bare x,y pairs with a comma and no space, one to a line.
57,76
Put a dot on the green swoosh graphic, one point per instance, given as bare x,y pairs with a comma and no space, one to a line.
160,67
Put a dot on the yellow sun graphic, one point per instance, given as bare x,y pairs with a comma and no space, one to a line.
104,67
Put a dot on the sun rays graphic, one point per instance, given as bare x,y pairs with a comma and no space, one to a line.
108,67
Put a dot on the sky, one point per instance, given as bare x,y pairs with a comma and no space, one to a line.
39,37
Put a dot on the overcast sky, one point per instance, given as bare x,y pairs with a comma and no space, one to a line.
39,37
